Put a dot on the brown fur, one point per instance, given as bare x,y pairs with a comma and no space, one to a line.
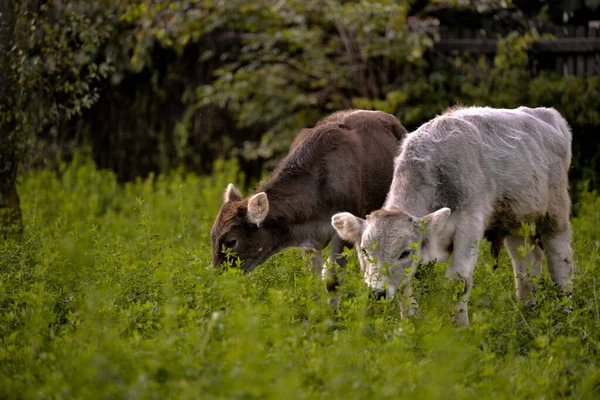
344,163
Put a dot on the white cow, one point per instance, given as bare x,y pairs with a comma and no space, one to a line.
467,174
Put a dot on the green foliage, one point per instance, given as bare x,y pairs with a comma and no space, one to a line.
112,294
52,64
189,80
293,61
509,84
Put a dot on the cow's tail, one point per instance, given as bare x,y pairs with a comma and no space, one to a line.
563,126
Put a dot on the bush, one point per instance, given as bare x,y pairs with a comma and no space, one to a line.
158,85
112,294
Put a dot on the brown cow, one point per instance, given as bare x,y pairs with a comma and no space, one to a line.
344,163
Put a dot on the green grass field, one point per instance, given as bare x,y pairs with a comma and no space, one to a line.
111,294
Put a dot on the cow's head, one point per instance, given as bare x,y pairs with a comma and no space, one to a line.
391,244
239,228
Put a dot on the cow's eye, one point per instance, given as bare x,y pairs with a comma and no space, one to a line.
230,243
405,254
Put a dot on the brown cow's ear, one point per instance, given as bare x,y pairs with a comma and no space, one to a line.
232,194
258,208
348,227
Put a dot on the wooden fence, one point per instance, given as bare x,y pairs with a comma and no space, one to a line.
575,50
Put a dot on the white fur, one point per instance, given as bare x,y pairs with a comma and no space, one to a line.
494,168
258,208
348,226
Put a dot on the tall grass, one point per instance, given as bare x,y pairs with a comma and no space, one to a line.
111,294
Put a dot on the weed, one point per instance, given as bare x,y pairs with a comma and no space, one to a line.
112,294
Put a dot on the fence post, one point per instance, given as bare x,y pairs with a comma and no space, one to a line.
559,63
580,59
592,59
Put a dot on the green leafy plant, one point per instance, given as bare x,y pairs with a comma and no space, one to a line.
110,294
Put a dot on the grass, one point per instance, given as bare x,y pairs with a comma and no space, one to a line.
111,294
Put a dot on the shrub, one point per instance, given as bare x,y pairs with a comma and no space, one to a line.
112,294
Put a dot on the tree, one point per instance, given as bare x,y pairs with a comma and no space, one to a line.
50,64
295,60
10,146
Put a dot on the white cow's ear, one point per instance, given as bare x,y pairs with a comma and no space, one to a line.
258,208
437,220
348,227
232,194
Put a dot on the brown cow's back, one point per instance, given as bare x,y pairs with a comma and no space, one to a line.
344,163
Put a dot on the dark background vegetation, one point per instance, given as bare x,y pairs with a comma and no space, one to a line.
114,118
157,85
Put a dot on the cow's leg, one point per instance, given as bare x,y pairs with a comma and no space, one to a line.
337,249
555,231
557,247
314,259
464,257
525,265
408,304
335,257
560,258
330,273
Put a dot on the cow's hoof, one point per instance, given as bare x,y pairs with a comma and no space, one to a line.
461,318
334,302
330,278
378,294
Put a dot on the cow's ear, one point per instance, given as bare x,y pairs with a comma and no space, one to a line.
348,227
232,194
437,220
258,208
